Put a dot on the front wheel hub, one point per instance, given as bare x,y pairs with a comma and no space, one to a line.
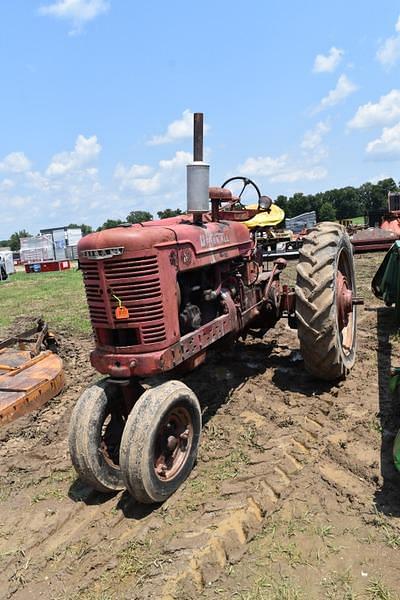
174,439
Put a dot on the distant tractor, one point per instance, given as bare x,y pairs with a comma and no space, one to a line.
161,294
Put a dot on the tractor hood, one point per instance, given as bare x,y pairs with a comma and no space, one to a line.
209,236
117,240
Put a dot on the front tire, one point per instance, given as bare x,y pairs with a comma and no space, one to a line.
326,316
160,441
94,438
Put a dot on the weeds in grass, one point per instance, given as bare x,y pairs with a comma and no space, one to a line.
333,549
338,585
272,588
290,553
249,436
76,551
375,425
391,538
230,467
58,494
298,524
134,559
87,595
377,590
4,493
324,531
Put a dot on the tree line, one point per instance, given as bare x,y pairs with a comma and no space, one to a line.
341,203
332,205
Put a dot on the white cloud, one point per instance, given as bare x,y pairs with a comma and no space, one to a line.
281,169
177,130
263,165
86,150
290,176
180,160
78,12
7,184
169,173
15,162
385,111
389,52
328,63
387,146
19,201
313,137
344,88
37,181
132,172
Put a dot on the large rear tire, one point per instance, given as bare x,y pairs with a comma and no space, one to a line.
94,438
160,441
326,316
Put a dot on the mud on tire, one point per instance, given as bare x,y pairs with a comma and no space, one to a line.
328,347
92,432
160,441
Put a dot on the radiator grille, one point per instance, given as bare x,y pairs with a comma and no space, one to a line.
135,281
94,295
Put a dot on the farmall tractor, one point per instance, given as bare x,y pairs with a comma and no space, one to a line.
161,294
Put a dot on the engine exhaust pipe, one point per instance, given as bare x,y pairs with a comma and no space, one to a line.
197,174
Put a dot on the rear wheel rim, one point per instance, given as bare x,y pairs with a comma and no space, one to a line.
344,302
174,440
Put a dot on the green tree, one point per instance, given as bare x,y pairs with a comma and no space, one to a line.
84,228
347,202
169,212
282,202
15,243
138,216
326,212
109,224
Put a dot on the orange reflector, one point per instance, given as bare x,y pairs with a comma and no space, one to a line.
121,312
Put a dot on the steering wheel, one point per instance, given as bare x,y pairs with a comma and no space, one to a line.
246,182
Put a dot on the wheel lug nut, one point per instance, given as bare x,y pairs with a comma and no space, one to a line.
172,442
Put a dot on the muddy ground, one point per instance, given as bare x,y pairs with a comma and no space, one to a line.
294,494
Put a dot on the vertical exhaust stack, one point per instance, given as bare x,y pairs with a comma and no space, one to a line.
198,175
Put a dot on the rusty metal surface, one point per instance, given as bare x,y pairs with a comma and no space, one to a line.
219,193
29,385
29,375
373,238
198,137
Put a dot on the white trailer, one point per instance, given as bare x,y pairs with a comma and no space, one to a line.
6,264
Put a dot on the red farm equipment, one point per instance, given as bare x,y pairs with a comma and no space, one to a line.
161,294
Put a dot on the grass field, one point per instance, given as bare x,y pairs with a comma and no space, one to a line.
58,298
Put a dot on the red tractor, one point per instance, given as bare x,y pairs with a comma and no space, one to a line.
161,294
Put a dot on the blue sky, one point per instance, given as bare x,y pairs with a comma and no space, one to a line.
96,101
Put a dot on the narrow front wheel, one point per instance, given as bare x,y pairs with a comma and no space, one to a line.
94,437
160,441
